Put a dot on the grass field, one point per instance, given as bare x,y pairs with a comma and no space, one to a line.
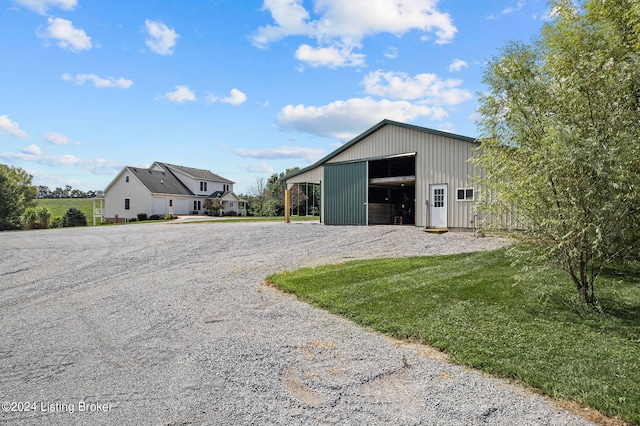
59,206
259,219
488,315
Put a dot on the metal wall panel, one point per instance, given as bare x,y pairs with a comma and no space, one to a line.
439,159
345,190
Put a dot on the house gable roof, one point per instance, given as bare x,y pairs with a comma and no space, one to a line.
374,129
159,182
198,174
227,196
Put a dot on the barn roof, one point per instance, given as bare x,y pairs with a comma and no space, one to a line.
374,129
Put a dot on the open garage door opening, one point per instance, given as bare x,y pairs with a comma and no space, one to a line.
392,190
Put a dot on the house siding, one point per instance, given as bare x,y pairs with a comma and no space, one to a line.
134,190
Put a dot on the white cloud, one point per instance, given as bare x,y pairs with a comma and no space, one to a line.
98,166
99,82
162,39
180,95
32,149
512,9
58,139
236,97
50,160
41,6
457,65
331,56
346,119
426,88
68,37
550,14
284,152
475,116
257,167
391,53
11,128
339,26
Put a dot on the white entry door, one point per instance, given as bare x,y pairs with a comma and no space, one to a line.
439,206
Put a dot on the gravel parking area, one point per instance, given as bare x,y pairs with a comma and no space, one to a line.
169,324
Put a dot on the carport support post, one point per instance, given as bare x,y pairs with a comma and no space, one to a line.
287,206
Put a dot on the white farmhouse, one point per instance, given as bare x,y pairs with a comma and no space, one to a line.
166,188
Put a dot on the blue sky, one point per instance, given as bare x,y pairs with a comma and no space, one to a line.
242,88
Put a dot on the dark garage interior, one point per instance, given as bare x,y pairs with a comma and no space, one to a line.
392,190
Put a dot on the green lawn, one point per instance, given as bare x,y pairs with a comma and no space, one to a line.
257,219
490,316
59,206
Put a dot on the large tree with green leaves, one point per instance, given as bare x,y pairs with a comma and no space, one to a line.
560,133
16,194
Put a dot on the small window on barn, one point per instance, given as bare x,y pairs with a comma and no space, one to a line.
465,194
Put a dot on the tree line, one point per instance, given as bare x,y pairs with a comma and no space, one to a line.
18,207
66,192
266,196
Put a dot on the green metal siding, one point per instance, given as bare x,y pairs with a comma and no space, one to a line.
346,193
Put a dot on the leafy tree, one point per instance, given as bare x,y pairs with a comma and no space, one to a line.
298,199
44,192
258,196
213,206
16,194
561,139
275,192
74,217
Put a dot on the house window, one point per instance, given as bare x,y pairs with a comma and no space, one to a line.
126,178
203,186
230,203
197,205
226,187
465,194
170,203
126,204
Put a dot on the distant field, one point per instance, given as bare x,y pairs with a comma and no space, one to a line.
59,206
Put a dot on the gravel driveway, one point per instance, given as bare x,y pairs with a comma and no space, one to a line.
169,324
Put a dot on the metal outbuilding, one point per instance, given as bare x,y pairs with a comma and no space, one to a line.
396,173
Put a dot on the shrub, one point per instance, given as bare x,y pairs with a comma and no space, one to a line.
28,218
142,216
56,222
74,217
43,215
154,217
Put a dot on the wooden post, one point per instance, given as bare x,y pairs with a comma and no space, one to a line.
287,206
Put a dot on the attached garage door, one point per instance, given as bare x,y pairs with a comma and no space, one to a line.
345,193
